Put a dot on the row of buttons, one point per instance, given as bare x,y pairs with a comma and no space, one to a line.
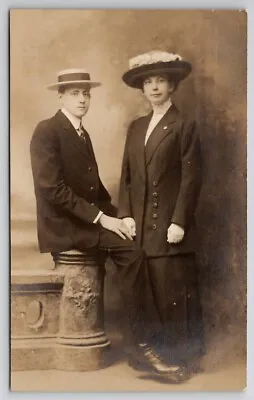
91,187
155,199
155,204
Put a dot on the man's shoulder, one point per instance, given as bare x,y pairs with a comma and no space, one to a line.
49,122
45,130
46,125
43,124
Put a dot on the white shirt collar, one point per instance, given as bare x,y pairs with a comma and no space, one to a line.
75,121
162,108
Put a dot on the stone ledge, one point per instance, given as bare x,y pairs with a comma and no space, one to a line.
35,354
57,318
32,354
32,277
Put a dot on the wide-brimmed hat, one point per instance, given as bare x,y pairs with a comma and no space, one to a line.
156,62
72,76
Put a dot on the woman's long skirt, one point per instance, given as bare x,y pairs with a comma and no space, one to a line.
174,282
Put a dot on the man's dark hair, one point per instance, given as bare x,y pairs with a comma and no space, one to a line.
62,88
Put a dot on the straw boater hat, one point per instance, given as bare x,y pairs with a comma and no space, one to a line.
72,76
156,62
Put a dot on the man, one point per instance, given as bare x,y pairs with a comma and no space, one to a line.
74,209
160,185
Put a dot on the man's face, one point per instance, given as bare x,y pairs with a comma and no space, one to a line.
157,89
76,100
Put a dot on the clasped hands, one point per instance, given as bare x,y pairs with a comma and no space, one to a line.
126,228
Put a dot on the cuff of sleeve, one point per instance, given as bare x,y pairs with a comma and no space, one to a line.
123,215
97,217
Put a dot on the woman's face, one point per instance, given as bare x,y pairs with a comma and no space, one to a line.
157,89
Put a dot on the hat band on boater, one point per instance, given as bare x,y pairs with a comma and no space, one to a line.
78,76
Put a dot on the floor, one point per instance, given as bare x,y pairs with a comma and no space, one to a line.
119,377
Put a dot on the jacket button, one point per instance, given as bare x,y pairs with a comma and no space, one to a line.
92,204
155,194
155,216
155,205
89,168
91,188
155,183
154,227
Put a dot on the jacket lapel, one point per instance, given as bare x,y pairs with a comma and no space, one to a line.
70,136
161,130
139,143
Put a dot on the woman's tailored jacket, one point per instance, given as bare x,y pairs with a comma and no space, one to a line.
161,181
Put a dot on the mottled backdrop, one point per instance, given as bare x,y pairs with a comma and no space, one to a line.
45,41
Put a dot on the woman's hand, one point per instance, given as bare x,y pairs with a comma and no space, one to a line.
175,234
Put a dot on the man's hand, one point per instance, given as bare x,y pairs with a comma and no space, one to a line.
131,225
115,225
175,234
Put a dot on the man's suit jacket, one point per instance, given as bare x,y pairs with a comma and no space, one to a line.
69,192
160,182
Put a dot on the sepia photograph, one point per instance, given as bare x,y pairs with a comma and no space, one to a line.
128,200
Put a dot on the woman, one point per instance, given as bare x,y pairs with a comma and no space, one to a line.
160,185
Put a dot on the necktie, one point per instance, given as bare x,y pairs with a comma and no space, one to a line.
81,132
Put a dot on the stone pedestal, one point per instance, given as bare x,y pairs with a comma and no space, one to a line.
57,316
81,341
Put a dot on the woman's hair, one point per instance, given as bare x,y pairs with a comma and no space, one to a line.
169,77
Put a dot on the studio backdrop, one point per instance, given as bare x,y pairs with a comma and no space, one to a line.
42,42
